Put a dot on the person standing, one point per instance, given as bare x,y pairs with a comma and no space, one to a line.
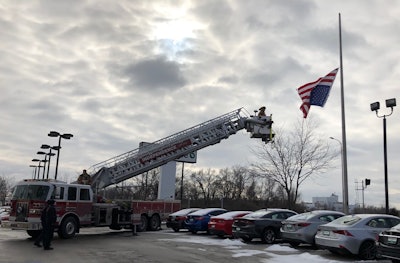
48,219
84,178
39,239
261,112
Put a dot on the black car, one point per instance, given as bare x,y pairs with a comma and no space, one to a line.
263,223
388,244
176,220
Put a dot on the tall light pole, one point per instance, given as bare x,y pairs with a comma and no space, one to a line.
45,146
390,103
38,171
34,170
344,191
66,136
36,160
45,161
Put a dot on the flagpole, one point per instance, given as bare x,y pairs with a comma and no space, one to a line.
345,187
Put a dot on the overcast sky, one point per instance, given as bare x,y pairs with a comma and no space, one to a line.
116,73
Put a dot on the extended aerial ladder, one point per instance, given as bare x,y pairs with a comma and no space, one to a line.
152,155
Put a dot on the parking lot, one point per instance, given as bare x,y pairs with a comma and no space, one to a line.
104,245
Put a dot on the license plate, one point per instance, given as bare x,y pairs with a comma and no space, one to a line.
392,240
326,233
212,226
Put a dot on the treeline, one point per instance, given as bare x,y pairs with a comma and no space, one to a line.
236,188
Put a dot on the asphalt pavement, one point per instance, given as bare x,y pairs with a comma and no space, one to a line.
98,245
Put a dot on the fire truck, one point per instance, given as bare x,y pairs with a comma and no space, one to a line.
79,205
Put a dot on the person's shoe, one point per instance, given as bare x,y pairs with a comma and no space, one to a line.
37,244
48,248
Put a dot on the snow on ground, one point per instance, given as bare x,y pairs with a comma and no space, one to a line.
274,253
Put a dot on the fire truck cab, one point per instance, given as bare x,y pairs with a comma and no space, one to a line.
76,207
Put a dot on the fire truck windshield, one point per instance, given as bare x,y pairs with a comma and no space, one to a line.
31,192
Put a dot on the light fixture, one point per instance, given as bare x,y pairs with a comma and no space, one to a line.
375,106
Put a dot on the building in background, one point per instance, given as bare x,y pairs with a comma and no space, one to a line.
327,203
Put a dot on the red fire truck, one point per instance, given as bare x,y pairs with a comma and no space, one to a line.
77,205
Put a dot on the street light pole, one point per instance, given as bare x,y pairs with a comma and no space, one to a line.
390,103
45,161
38,170
385,166
45,146
34,170
344,189
66,136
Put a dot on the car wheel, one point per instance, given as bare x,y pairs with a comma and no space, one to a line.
194,232
176,229
268,236
367,250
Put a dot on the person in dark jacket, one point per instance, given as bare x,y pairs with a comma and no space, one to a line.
48,219
261,112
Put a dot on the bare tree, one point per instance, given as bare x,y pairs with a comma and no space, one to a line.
205,181
5,188
294,157
232,182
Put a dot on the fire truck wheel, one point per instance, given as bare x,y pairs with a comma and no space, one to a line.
68,228
143,224
33,233
155,223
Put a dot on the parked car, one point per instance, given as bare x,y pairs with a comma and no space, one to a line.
388,244
176,220
302,228
221,225
263,223
354,234
4,213
198,221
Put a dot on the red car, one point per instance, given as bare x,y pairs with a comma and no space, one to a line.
176,220
221,225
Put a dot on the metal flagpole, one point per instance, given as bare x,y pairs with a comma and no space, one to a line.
345,187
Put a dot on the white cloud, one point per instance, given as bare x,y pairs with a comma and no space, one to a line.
116,74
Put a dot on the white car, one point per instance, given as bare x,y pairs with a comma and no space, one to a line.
4,213
355,234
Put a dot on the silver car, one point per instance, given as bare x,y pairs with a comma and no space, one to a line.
302,228
354,234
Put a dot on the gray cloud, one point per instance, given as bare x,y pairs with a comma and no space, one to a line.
155,74
118,73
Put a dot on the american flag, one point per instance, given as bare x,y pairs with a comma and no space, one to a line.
317,92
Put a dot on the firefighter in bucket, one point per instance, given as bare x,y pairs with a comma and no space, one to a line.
84,178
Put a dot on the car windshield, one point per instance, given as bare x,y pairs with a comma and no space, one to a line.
231,215
396,227
347,220
304,216
256,214
30,192
202,212
184,212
